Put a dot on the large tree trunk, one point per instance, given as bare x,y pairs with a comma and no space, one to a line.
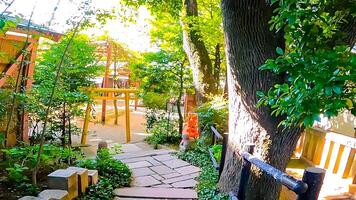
248,44
197,53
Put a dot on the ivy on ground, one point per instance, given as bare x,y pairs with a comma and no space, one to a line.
113,174
208,178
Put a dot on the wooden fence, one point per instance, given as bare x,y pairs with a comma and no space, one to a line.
329,150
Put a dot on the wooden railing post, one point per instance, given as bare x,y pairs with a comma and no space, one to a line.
245,172
223,153
314,178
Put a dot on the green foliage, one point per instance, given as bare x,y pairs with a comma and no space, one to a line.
155,100
16,173
164,132
208,177
113,174
20,161
78,71
103,190
217,149
318,62
213,112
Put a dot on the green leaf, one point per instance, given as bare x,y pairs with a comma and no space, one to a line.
260,94
337,89
328,91
279,50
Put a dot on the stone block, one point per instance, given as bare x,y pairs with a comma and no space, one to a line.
54,195
162,169
93,177
29,198
64,179
145,181
82,174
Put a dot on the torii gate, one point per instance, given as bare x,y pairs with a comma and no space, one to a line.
110,96
110,49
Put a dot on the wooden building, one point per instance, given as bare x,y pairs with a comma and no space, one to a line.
18,47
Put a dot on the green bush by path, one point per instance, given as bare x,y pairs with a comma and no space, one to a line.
19,161
113,174
164,132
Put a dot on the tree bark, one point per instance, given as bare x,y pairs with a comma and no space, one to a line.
197,53
248,44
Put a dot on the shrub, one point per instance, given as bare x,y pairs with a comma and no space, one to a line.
214,112
20,160
164,132
113,174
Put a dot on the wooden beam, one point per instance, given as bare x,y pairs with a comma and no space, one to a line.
86,124
18,38
127,114
106,80
28,83
14,66
114,90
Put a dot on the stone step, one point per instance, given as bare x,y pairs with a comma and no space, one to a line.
143,154
155,193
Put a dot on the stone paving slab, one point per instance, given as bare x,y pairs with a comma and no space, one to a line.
142,172
187,170
138,192
163,158
180,178
143,154
185,184
145,181
159,175
162,169
139,164
172,175
176,163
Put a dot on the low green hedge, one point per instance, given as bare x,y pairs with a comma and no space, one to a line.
113,174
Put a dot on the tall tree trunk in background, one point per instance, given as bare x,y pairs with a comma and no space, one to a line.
197,53
217,66
248,44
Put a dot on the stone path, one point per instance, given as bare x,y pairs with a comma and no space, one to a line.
157,174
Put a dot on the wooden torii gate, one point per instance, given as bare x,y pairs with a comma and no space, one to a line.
109,94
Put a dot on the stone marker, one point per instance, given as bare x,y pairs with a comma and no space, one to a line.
93,177
82,178
54,195
64,180
29,198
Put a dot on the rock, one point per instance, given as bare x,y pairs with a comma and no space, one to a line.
102,145
93,177
54,195
156,193
64,179
82,178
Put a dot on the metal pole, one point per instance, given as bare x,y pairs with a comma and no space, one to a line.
223,153
314,178
245,172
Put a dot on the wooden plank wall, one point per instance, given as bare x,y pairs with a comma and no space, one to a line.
329,150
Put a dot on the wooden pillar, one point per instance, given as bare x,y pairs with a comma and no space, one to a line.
28,83
86,124
127,114
106,80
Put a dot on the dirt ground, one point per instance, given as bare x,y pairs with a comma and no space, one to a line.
109,132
